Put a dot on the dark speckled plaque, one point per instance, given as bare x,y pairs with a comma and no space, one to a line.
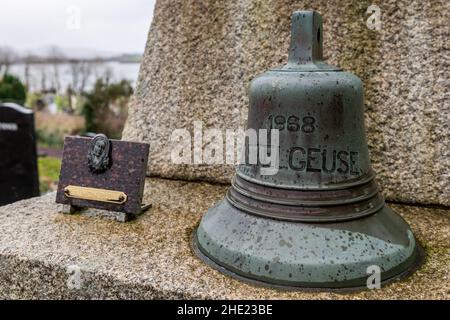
125,173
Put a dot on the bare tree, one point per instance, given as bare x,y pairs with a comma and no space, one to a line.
107,75
43,79
7,58
33,79
86,71
55,58
27,60
75,75
81,71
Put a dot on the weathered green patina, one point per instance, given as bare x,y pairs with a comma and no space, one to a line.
319,221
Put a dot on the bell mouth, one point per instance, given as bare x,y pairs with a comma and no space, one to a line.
297,256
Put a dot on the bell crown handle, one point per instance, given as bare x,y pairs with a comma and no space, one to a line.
306,38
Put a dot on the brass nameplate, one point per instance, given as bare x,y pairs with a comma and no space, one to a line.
94,194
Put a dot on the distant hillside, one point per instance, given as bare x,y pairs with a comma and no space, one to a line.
128,58
57,54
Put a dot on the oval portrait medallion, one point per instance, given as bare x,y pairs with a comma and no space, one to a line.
98,154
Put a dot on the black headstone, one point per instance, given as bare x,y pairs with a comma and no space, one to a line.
18,159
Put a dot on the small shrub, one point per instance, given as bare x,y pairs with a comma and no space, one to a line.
12,90
50,139
105,108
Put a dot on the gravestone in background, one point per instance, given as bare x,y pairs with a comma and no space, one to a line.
18,163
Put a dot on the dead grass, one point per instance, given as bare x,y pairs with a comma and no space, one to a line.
51,129
63,123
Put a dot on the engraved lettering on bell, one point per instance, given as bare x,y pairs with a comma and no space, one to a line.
98,154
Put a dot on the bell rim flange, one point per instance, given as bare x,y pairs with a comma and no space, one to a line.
360,181
235,184
315,218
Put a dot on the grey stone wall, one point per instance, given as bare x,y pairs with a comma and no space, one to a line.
201,56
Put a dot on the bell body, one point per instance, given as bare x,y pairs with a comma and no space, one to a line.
318,220
324,171
320,120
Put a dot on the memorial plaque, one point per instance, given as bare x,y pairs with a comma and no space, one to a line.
104,174
18,160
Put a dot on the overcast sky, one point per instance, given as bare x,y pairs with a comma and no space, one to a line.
107,25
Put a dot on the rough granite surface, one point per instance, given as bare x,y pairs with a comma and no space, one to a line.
201,56
151,257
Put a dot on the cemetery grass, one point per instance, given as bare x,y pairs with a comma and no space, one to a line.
49,168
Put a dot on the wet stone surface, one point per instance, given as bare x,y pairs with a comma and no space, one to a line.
151,256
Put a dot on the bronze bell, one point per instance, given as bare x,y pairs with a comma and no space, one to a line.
319,221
